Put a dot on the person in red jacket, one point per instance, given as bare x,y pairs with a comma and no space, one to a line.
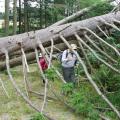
43,63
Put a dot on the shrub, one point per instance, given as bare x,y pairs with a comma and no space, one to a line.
108,78
67,88
81,104
93,60
100,9
50,74
38,116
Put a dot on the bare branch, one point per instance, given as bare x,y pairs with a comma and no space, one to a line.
117,21
57,48
51,53
4,88
91,80
25,76
45,79
15,85
103,117
41,95
116,51
24,56
18,89
94,53
87,60
109,57
102,31
111,25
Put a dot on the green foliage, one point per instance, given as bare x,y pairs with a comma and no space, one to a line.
80,102
59,1
50,74
70,2
111,115
67,88
100,9
93,60
118,46
115,39
38,116
115,97
79,71
116,35
87,3
53,11
2,33
111,40
108,78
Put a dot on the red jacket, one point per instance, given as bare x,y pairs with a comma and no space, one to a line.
43,63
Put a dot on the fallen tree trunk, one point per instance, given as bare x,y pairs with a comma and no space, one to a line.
33,40
31,56
17,61
30,40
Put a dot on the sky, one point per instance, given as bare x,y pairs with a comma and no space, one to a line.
2,5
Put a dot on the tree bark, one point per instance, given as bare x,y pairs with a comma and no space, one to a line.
31,39
45,12
17,61
15,17
40,13
31,56
20,16
6,17
25,16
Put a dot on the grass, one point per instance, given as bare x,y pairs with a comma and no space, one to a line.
16,108
13,105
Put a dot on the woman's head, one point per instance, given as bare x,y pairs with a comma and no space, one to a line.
40,55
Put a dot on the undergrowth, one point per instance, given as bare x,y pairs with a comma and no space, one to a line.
38,116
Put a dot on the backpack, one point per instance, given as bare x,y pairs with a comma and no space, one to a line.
43,63
59,57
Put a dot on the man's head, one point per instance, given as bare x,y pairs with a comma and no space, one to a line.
73,46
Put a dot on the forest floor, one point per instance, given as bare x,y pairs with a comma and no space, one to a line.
15,108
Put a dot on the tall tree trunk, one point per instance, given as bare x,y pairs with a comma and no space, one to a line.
45,13
20,16
40,13
25,16
14,17
6,17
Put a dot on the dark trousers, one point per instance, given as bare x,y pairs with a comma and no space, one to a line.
69,74
43,79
